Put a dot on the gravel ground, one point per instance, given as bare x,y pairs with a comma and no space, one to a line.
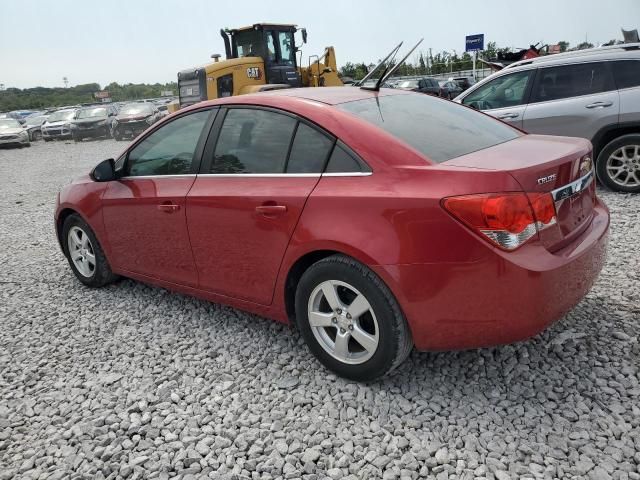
133,381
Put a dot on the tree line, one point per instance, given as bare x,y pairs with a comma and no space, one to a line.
42,97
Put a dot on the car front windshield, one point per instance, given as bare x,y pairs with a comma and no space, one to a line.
408,84
61,115
136,109
438,129
8,123
35,119
92,112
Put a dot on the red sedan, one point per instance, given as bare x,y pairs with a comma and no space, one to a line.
375,221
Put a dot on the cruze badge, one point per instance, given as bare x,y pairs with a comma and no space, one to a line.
547,179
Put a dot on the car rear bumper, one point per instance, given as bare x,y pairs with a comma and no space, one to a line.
503,297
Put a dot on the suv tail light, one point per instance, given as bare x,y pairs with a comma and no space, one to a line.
504,219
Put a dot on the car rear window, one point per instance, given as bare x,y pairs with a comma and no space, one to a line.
439,129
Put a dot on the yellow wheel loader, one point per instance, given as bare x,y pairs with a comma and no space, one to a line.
261,57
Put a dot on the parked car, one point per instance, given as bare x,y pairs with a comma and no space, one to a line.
133,119
20,115
464,82
449,89
92,122
422,85
58,125
593,94
12,133
376,221
33,125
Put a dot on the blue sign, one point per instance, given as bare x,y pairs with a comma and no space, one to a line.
474,42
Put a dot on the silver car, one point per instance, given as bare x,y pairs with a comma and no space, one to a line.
593,94
12,133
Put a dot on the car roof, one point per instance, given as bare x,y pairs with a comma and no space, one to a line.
590,54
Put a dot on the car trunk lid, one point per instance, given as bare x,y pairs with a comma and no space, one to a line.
559,166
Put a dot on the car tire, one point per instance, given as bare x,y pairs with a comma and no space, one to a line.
117,137
84,253
36,136
47,139
379,323
76,138
618,164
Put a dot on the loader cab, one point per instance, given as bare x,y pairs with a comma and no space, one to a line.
275,44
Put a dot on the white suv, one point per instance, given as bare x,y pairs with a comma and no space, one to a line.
594,94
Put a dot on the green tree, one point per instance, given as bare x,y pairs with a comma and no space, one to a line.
564,46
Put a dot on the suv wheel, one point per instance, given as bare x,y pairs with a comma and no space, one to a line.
618,164
350,319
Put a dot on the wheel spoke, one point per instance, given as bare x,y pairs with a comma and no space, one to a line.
342,345
76,254
358,307
91,259
320,319
331,295
76,238
368,342
85,240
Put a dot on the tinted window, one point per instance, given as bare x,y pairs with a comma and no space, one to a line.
253,141
439,129
555,83
309,151
626,73
343,162
169,150
502,92
286,51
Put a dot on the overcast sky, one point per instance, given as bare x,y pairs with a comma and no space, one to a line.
42,41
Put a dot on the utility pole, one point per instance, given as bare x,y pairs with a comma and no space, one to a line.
66,82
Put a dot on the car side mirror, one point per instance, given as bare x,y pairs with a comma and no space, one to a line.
304,35
105,171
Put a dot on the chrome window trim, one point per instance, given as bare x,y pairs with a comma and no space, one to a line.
134,177
252,175
573,188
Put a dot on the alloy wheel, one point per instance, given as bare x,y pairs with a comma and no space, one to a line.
343,322
623,166
81,251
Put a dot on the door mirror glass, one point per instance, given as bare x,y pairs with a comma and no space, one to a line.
105,171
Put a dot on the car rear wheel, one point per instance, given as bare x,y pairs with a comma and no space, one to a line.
36,136
618,164
350,319
85,254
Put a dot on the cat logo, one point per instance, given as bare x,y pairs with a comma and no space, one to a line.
254,72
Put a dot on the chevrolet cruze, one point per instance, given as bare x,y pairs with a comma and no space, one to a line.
374,221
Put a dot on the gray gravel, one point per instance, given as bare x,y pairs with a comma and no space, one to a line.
136,382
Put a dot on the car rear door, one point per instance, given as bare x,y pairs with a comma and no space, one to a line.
574,100
144,210
505,97
246,201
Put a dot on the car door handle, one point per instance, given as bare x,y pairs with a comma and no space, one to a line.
508,115
168,207
599,104
271,210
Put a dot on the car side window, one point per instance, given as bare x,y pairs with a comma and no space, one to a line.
168,150
309,150
502,92
253,141
556,83
626,73
342,161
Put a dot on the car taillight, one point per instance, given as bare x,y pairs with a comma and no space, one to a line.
505,219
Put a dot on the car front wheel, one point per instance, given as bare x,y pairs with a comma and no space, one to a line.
85,255
350,319
618,164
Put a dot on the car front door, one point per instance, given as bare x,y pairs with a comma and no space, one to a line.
504,97
573,100
144,210
245,203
